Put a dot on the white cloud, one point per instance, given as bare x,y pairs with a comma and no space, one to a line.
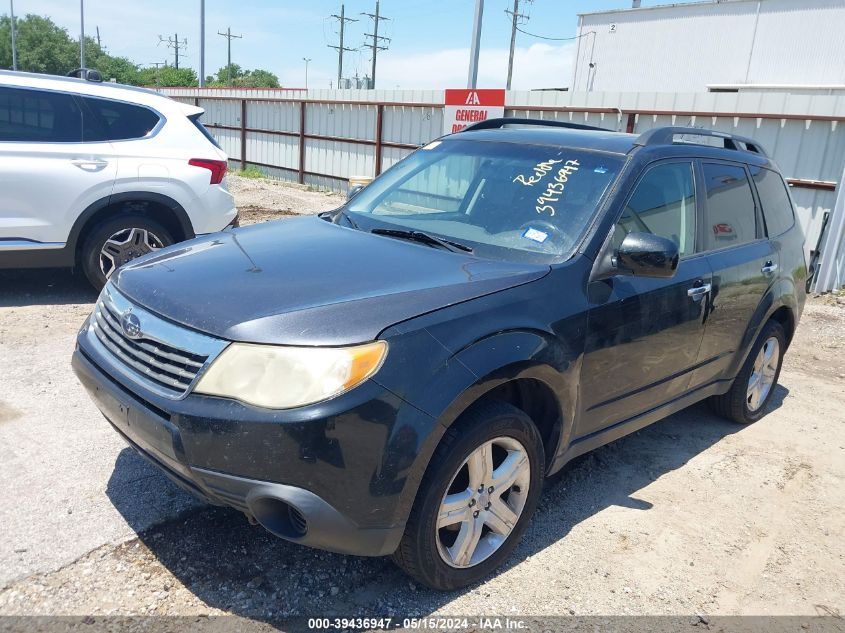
537,66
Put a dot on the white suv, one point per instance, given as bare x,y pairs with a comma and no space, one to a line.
95,174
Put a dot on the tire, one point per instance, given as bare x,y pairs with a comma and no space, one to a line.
738,404
142,236
425,548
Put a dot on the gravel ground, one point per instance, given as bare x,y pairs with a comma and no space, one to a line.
690,515
262,199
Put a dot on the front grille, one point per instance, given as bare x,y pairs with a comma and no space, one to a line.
162,364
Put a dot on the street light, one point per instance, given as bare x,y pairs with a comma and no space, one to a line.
306,60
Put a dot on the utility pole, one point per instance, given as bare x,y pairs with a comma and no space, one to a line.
82,33
517,16
472,81
307,60
376,17
176,44
202,43
99,43
340,48
14,46
229,37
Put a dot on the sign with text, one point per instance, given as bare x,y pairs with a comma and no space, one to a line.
465,107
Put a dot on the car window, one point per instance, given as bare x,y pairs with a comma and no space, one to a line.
731,217
663,203
107,120
39,116
775,200
439,189
510,201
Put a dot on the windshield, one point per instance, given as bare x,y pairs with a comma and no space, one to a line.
508,201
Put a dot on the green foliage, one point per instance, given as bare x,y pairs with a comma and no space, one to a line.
168,76
241,78
250,172
44,47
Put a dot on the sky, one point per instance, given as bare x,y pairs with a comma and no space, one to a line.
428,48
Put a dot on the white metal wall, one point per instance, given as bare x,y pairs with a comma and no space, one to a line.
685,47
804,133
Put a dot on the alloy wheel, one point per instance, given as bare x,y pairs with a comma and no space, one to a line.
483,502
763,374
124,246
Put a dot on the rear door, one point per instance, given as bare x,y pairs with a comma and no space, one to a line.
644,334
743,261
48,176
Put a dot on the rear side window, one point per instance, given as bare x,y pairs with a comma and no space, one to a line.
108,120
663,204
195,119
731,217
774,198
36,116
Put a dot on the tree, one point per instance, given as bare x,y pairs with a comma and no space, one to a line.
241,78
44,47
168,76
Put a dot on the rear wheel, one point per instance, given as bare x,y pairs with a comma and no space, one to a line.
479,493
753,387
118,241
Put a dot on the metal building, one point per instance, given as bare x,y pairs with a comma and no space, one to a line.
713,45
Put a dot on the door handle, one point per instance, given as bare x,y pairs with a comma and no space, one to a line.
698,292
768,268
89,163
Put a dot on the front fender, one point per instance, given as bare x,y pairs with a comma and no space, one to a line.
458,380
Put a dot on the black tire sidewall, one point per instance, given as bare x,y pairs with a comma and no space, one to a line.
93,243
771,329
499,420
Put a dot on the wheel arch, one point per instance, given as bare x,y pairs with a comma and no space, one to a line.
159,207
527,368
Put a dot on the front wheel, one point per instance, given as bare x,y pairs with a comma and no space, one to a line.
755,383
118,241
476,499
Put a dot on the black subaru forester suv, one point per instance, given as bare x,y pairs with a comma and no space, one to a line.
398,376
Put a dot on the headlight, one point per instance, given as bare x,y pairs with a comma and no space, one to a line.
287,377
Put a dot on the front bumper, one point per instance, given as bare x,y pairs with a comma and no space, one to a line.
330,476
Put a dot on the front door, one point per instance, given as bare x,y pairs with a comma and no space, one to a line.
644,334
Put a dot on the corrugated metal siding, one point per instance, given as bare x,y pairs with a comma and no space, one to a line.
688,46
804,149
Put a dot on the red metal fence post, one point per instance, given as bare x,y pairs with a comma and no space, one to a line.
379,132
301,142
243,133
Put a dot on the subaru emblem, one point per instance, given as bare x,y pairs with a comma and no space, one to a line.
130,324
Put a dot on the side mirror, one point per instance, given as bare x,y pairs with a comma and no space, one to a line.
354,190
647,255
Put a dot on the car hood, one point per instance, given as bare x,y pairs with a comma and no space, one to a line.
306,281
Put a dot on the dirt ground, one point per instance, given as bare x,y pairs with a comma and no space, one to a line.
692,515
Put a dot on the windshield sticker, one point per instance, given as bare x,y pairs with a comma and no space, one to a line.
535,235
540,170
600,170
554,190
432,145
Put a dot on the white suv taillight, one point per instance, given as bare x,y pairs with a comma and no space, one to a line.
216,167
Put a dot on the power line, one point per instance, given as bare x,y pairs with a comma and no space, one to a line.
554,39
176,44
229,37
517,16
340,48
376,39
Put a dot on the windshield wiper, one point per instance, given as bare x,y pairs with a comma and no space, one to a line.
425,238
